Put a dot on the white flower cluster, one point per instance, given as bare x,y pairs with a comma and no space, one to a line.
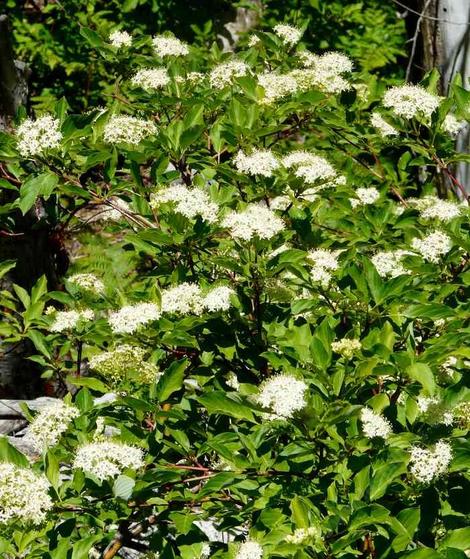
130,318
50,424
432,246
365,196
127,130
409,101
346,347
255,220
232,381
223,74
189,202
303,535
313,169
253,40
434,410
87,282
188,298
452,125
169,46
68,320
259,162
462,414
276,86
116,364
151,78
388,263
289,34
432,207
323,72
375,425
107,459
249,550
427,464
447,366
23,495
37,136
120,39
324,261
383,127
283,394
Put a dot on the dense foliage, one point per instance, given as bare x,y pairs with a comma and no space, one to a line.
283,369
48,36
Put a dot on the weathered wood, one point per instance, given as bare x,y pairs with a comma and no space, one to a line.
13,76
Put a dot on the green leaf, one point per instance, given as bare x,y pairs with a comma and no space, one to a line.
171,380
8,453
91,36
81,548
89,382
219,402
123,487
422,374
6,266
34,187
299,507
460,539
39,341
52,469
383,476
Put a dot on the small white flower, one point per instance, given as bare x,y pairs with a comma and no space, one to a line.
218,299
223,75
87,282
409,101
232,381
117,364
427,464
383,127
188,202
452,125
253,40
365,196
375,425
283,395
432,246
303,535
432,207
249,550
37,136
169,46
151,78
120,39
258,162
346,346
254,221
107,459
130,318
50,424
323,72
388,263
276,86
185,298
127,130
68,320
24,495
289,34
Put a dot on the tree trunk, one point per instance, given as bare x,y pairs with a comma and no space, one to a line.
444,37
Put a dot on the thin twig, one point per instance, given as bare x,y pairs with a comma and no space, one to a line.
415,40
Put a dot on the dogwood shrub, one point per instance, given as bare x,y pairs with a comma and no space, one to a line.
286,372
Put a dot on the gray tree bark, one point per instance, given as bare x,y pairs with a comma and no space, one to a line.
445,32
13,76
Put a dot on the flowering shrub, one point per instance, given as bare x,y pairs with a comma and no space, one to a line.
286,375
